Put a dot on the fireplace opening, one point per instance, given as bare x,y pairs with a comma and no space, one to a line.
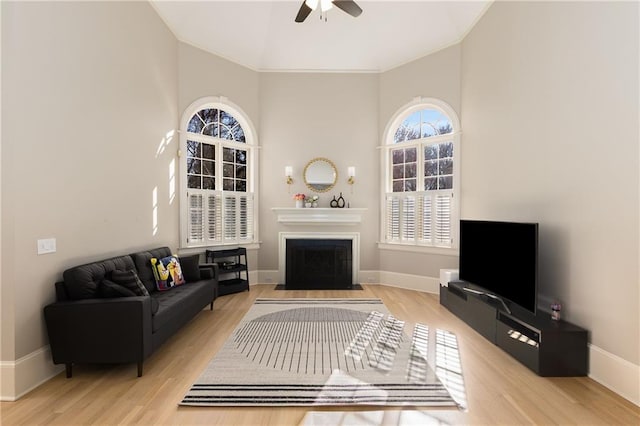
318,264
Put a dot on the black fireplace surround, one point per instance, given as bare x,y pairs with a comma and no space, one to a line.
318,264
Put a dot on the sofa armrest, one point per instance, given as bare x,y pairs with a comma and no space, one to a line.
209,271
100,330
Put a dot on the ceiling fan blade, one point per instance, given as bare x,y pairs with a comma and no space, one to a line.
348,6
303,12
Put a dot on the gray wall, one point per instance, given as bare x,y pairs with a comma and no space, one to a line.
89,95
550,121
202,74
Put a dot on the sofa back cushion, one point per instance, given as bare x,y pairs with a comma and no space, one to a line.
111,289
142,261
190,267
82,282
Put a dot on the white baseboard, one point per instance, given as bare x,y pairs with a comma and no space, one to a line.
253,277
27,373
7,381
615,373
267,277
410,282
369,277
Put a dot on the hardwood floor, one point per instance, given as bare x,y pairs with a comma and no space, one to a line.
499,389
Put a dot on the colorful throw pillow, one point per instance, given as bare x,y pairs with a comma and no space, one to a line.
167,272
129,279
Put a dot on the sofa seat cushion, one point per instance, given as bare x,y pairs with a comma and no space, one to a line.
83,282
179,304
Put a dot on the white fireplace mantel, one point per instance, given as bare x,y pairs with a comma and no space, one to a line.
319,216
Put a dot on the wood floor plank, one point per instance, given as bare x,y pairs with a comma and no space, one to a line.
499,389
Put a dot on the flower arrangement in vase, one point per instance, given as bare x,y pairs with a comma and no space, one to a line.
299,200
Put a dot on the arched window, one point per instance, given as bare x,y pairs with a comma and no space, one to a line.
218,166
421,175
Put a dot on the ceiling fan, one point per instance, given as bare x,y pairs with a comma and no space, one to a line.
308,6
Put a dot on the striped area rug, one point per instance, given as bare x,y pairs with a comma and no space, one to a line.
292,352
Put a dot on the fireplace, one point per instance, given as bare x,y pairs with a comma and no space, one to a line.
319,260
315,264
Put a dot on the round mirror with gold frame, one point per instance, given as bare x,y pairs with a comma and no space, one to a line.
320,174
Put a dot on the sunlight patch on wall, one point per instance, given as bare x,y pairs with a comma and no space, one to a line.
164,142
154,211
172,181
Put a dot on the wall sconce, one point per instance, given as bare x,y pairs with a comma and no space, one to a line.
351,172
288,171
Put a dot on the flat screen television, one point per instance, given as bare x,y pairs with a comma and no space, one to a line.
502,259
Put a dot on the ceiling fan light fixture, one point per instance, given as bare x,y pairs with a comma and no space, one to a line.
325,5
313,4
308,6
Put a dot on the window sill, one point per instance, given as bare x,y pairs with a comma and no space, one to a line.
197,250
442,251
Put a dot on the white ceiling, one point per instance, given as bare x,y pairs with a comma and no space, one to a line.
263,36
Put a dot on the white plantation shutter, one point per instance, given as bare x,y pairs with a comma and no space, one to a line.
214,217
426,230
195,226
246,217
204,212
409,218
423,218
237,215
393,218
218,218
443,234
230,218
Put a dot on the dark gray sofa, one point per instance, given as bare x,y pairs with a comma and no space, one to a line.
85,328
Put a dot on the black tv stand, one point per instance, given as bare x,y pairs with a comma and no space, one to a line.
547,347
492,296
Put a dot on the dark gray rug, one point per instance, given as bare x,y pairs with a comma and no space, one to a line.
291,352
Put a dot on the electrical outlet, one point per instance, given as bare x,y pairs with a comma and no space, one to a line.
47,245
